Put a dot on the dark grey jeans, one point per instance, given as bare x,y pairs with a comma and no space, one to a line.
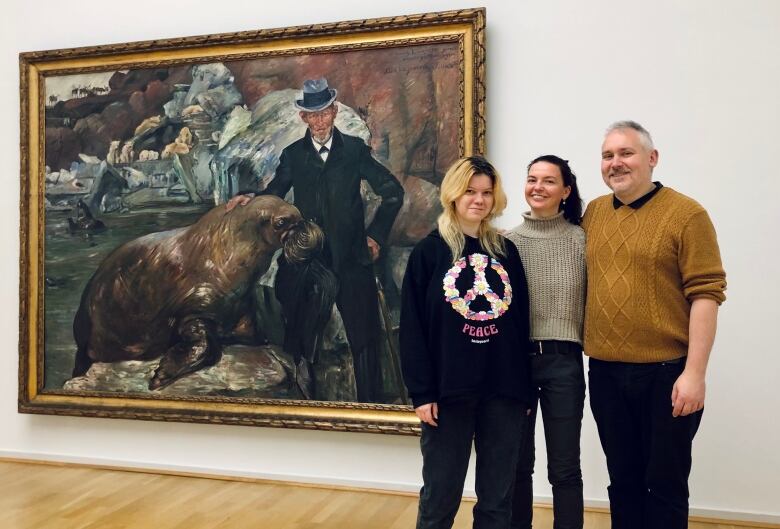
495,425
560,380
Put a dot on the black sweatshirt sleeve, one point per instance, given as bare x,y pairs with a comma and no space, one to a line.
417,361
521,309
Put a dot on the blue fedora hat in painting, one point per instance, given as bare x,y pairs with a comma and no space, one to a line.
316,95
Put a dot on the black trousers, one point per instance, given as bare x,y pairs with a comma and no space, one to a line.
358,303
495,425
648,451
357,299
560,381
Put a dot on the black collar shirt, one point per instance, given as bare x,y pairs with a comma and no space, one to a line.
641,201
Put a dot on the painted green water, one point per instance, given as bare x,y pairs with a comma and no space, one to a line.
71,259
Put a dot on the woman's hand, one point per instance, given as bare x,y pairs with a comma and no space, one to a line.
428,413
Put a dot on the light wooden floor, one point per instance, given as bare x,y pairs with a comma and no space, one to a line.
38,496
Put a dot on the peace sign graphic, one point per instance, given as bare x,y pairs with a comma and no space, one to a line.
478,262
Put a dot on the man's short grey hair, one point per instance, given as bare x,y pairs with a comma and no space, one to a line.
644,136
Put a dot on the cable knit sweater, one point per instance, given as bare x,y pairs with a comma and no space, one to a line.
645,267
553,255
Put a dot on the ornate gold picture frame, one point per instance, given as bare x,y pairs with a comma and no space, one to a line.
129,153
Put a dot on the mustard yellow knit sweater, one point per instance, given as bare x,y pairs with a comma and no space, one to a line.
645,267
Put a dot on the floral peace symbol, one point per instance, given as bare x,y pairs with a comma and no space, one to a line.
478,262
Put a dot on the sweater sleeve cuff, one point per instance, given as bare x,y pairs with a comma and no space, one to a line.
419,400
719,296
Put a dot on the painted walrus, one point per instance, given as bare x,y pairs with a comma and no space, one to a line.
180,294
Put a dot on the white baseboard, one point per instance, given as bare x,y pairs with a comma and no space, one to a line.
718,514
726,515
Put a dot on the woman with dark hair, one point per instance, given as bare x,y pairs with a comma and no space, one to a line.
552,248
464,310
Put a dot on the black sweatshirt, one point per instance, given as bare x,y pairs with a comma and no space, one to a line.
451,348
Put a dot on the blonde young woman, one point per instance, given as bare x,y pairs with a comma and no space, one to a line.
464,336
552,247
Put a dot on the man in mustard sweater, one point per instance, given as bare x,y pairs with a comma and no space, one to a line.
655,281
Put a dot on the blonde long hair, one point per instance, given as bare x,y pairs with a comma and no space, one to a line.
454,186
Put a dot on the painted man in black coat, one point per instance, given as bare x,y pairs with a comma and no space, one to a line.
324,169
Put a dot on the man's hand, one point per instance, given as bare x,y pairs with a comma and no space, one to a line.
688,390
239,200
428,413
373,248
688,394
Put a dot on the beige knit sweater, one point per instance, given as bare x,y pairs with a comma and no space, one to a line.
553,255
645,266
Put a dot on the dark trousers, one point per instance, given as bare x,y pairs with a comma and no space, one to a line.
357,299
358,303
560,381
495,425
648,451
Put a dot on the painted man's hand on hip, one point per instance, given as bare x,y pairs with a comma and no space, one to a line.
373,248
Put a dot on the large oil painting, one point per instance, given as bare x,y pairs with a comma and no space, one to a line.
215,229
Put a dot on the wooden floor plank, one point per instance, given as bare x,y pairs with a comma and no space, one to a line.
40,496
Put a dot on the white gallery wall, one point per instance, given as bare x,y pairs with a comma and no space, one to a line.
702,75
